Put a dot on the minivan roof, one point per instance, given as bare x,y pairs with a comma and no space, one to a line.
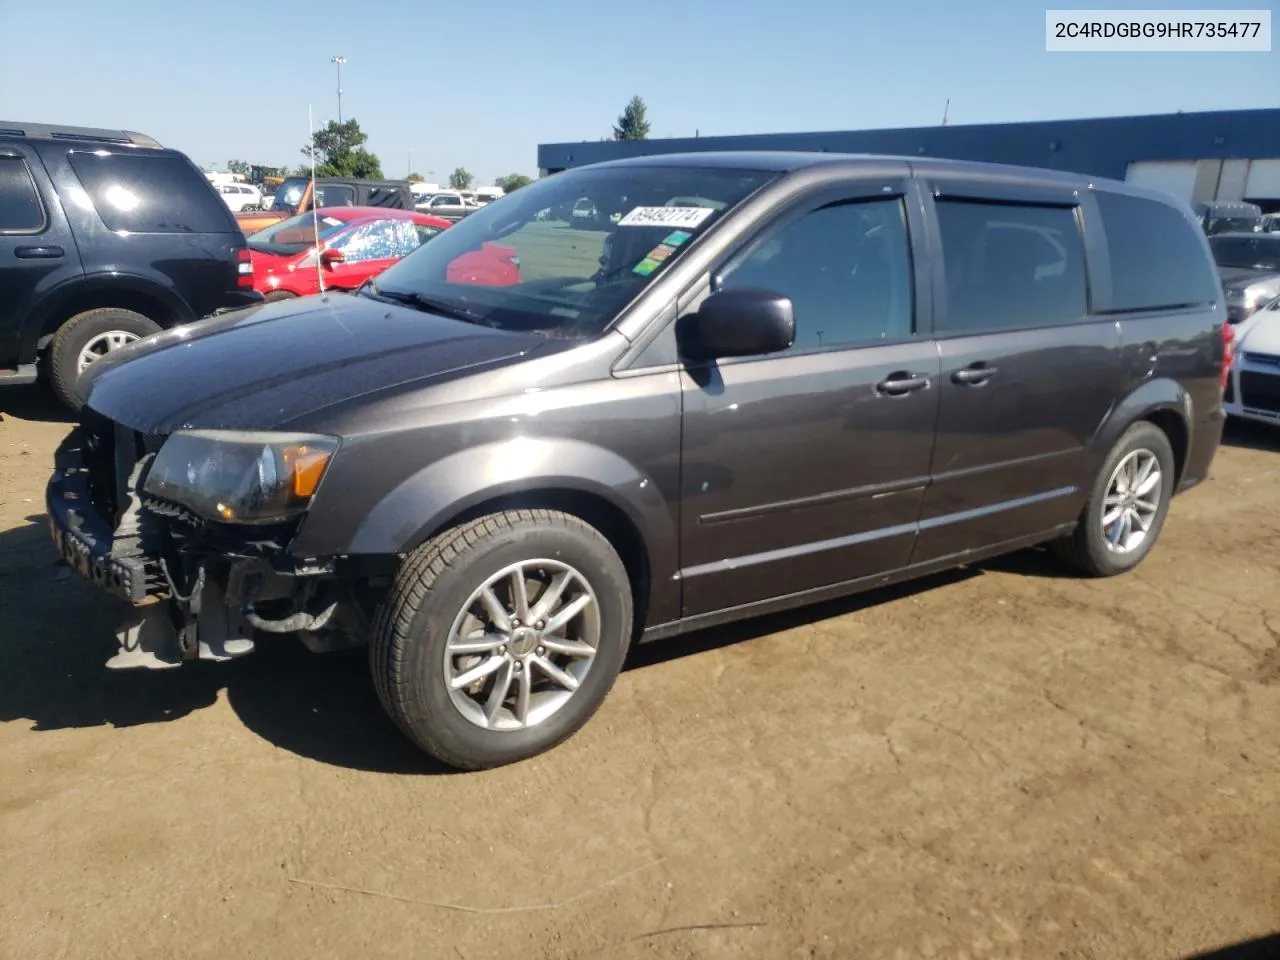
783,161
46,131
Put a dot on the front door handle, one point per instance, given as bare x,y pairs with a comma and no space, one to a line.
38,253
895,385
974,375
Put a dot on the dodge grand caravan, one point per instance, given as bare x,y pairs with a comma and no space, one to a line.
762,380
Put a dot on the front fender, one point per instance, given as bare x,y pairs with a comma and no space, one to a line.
431,497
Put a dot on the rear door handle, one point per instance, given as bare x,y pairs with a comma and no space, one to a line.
973,376
898,384
38,253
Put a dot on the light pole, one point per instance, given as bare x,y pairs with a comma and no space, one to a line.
339,61
410,170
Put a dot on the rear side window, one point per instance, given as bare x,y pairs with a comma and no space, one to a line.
1010,266
150,194
20,208
1156,254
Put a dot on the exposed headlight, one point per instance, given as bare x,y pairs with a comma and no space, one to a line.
240,477
1258,294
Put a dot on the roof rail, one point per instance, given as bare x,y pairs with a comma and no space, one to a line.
45,131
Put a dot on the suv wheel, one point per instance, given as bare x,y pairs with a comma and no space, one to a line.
86,338
1127,507
500,638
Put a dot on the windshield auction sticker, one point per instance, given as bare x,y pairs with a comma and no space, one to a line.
688,217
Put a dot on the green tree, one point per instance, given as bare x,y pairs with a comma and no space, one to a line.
415,178
338,150
238,166
632,125
512,182
461,179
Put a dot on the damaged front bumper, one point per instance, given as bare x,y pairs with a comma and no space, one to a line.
197,589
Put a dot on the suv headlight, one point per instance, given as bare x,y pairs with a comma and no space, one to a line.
240,477
1258,294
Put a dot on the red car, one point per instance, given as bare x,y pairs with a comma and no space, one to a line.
356,243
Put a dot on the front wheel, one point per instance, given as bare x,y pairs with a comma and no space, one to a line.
1127,507
500,638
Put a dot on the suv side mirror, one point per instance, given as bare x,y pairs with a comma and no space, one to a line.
330,257
742,322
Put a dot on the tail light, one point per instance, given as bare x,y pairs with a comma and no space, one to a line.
244,268
1228,353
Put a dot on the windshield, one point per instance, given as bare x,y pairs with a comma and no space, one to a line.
563,273
1250,253
1230,225
295,234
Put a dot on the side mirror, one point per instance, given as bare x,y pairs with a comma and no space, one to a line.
743,322
330,257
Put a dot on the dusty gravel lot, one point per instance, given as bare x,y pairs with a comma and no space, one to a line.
1003,762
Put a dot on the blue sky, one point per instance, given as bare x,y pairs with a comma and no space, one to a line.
481,84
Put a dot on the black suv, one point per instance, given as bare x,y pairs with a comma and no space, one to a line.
105,237
762,380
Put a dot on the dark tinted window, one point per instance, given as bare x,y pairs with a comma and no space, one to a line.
151,194
1260,252
1010,266
847,269
20,209
1156,253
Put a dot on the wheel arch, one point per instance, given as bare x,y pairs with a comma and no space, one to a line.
1164,403
148,298
590,482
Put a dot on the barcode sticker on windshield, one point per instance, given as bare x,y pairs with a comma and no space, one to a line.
666,217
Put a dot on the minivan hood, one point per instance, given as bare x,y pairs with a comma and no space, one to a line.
1263,335
265,366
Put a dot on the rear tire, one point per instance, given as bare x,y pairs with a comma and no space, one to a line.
552,677
1109,538
107,328
275,295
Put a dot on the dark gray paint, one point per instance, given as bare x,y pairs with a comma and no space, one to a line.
787,479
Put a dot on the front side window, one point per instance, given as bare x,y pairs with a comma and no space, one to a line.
335,195
846,268
377,240
542,274
1010,266
289,193
150,194
20,207
425,232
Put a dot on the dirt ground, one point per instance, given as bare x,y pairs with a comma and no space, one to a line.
1001,762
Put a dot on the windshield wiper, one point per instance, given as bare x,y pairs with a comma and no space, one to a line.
421,302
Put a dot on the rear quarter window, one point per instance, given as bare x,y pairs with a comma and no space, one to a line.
20,207
150,194
1156,254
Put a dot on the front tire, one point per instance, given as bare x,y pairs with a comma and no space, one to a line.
500,638
1127,506
86,338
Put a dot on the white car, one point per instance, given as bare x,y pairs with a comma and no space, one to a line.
240,196
1253,390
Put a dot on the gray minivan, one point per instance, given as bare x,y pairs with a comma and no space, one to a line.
756,380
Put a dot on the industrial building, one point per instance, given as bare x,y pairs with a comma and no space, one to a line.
1225,155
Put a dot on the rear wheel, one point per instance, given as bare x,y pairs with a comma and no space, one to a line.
86,338
275,295
500,638
1127,507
